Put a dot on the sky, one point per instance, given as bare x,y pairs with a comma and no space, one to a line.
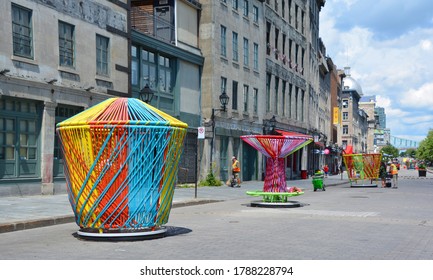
388,45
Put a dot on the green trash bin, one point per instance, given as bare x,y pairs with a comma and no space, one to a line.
318,181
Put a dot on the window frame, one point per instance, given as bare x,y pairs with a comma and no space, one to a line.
223,39
63,48
18,38
102,55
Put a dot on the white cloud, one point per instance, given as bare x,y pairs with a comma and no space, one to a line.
398,69
426,45
419,98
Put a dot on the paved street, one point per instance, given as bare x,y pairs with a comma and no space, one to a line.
342,223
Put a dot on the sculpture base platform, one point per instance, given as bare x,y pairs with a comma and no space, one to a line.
275,199
122,234
287,204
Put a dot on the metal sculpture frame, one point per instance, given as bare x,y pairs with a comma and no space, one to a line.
121,161
362,169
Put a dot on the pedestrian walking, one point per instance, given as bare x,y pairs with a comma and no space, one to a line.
395,168
236,169
394,173
382,173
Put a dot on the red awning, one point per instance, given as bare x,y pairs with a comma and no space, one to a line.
291,133
320,144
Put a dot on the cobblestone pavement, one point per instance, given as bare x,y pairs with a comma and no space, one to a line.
341,223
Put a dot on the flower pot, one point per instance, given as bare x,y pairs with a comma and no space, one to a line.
422,173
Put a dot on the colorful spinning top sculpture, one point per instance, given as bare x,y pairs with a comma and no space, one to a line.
121,161
276,148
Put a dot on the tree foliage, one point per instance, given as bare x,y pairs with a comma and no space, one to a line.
409,153
425,149
389,151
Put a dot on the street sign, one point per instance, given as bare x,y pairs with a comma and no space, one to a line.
201,132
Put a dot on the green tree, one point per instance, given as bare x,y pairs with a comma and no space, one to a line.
389,151
425,149
410,152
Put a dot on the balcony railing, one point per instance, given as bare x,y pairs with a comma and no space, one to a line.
154,26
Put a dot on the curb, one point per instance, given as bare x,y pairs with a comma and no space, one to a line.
30,224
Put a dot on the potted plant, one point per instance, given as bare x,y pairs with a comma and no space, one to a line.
422,172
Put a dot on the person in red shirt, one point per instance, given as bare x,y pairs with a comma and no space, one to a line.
326,170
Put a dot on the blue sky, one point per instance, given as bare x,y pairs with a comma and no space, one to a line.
388,45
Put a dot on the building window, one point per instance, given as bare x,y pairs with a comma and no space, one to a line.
283,101
255,14
246,52
235,46
245,8
277,33
302,104
19,133
148,69
235,4
234,95
268,92
256,56
345,103
290,101
158,71
245,98
223,85
165,74
277,82
255,97
345,129
223,41
134,66
66,44
345,116
22,31
102,55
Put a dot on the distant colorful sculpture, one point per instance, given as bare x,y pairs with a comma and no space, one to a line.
362,166
121,161
276,148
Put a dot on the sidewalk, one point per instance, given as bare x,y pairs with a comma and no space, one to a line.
19,213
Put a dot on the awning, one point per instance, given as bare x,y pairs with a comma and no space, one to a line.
291,133
320,144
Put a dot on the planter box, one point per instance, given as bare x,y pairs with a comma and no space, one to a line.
422,173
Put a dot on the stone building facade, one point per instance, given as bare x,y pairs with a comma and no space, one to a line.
265,56
57,58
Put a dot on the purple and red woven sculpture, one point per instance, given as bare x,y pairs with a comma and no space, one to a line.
276,148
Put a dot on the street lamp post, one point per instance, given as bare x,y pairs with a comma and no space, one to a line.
268,129
316,137
269,126
224,100
146,94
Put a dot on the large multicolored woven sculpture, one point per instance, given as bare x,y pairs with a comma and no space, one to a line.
362,167
276,148
121,161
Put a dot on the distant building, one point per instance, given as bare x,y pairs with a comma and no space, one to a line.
354,119
380,112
